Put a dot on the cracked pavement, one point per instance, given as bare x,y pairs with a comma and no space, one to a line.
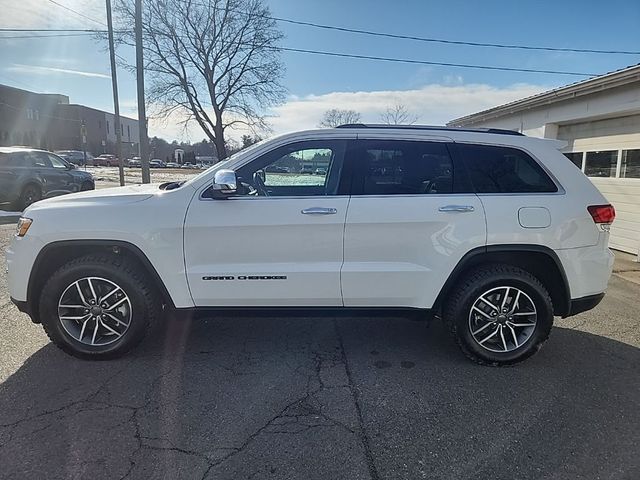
323,397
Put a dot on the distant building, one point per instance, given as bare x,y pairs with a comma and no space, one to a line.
25,117
599,119
99,128
49,121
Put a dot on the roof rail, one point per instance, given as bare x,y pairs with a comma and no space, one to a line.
498,131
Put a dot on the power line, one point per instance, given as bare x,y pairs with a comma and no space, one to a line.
451,42
37,30
434,40
408,61
77,13
57,35
440,64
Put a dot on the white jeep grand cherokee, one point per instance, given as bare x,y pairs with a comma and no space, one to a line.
493,231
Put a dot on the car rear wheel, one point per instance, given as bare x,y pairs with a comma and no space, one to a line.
499,315
86,186
98,306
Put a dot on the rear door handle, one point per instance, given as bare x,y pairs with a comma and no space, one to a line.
456,208
319,211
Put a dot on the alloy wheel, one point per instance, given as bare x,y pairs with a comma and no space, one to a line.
95,311
502,319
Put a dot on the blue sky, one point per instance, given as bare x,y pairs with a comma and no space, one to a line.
79,67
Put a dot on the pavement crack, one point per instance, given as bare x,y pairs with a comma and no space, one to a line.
373,471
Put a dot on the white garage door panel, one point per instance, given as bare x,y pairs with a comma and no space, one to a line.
624,195
626,208
624,232
623,244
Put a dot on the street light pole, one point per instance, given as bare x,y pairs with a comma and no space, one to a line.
142,116
116,105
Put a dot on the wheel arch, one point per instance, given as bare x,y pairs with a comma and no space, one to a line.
31,181
56,254
542,262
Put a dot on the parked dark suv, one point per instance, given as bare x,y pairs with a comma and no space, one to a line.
28,175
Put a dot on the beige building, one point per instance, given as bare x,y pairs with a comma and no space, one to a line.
599,119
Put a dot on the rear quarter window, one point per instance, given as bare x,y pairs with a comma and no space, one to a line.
495,169
10,160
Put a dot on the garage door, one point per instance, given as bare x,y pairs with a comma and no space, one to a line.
624,195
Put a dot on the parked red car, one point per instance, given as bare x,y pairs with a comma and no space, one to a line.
105,160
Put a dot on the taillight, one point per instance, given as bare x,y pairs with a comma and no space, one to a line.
602,213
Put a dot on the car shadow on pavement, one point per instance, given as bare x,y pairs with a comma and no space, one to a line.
322,398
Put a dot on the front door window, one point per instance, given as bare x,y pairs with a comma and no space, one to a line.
300,169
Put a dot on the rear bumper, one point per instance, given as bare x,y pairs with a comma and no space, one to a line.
582,304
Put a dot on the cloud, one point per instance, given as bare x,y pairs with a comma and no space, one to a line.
42,70
44,14
434,104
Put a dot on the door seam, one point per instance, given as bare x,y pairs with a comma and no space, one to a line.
344,234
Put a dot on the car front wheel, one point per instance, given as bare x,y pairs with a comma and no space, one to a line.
29,195
98,306
499,315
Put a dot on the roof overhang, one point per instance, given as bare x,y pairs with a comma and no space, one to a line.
586,87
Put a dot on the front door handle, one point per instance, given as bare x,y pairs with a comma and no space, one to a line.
319,211
456,208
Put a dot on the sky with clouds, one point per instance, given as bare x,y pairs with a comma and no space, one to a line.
79,66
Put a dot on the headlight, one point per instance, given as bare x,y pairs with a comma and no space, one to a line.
23,226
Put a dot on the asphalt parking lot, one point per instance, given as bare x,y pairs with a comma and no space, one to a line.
324,398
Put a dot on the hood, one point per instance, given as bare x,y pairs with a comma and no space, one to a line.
103,196
80,173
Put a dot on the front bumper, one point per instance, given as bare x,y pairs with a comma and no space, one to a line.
579,305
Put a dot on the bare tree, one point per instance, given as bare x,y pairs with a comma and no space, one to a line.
398,115
214,62
334,117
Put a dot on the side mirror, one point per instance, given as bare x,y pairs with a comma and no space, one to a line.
224,184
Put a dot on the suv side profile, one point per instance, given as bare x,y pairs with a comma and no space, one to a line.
492,231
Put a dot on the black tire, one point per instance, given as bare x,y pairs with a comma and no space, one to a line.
30,194
86,186
457,310
134,282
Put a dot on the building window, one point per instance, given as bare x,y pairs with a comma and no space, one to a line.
37,114
576,158
630,167
601,164
129,132
121,129
99,124
107,127
29,114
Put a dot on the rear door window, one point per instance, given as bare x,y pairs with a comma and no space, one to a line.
495,169
7,160
390,167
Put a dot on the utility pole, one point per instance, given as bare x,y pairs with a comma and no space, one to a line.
116,105
142,116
